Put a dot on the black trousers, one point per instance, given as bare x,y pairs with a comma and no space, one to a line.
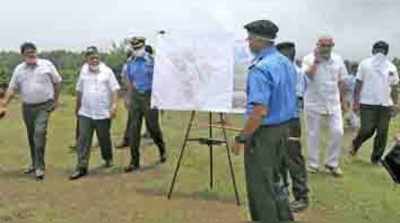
374,119
140,107
36,118
296,162
87,127
265,160
127,132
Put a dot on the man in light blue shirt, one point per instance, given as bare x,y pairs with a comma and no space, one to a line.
271,104
140,74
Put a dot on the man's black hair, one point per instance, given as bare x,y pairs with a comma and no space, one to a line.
27,46
149,49
381,45
285,45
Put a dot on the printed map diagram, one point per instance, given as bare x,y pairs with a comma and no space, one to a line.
194,72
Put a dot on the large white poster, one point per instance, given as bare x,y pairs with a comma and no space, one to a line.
198,72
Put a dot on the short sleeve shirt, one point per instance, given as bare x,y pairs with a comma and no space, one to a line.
378,75
272,83
96,90
35,83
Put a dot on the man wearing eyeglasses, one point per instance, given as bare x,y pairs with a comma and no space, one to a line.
38,82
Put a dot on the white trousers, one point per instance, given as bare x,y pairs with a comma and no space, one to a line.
313,125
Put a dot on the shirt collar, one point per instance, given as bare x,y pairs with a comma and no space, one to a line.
31,66
146,57
265,52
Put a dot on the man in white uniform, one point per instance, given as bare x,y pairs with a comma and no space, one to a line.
322,100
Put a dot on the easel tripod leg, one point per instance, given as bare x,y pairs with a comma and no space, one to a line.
228,152
211,152
181,154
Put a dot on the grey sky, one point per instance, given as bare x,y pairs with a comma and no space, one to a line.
74,24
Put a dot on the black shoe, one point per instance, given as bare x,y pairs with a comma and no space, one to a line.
39,174
29,170
108,164
377,162
78,174
163,159
299,205
131,168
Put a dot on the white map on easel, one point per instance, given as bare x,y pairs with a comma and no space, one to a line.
194,72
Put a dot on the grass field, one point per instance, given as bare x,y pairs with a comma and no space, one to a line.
364,195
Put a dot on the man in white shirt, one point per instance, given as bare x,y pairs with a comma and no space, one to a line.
351,118
38,82
97,93
375,95
322,100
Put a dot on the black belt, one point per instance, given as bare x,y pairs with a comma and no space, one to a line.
143,93
37,104
277,125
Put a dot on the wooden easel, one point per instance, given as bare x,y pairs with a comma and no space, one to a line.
210,142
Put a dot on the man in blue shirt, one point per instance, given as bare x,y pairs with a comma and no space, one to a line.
271,104
296,164
140,75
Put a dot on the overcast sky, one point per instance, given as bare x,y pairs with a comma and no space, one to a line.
74,24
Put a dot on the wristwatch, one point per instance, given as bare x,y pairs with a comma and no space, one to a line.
242,138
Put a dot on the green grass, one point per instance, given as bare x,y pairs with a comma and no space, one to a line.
364,195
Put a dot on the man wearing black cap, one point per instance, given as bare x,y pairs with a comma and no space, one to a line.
375,96
140,75
39,83
97,93
271,104
296,164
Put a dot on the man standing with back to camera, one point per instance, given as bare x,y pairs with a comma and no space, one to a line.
271,104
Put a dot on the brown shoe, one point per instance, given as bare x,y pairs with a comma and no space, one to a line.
121,145
131,168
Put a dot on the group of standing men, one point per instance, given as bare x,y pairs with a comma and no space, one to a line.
277,92
38,82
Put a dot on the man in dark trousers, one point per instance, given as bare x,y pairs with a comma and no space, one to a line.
96,105
140,75
39,83
271,105
375,96
296,163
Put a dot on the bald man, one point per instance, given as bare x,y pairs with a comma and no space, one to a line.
325,71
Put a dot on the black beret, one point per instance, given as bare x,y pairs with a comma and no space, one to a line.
264,28
285,45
